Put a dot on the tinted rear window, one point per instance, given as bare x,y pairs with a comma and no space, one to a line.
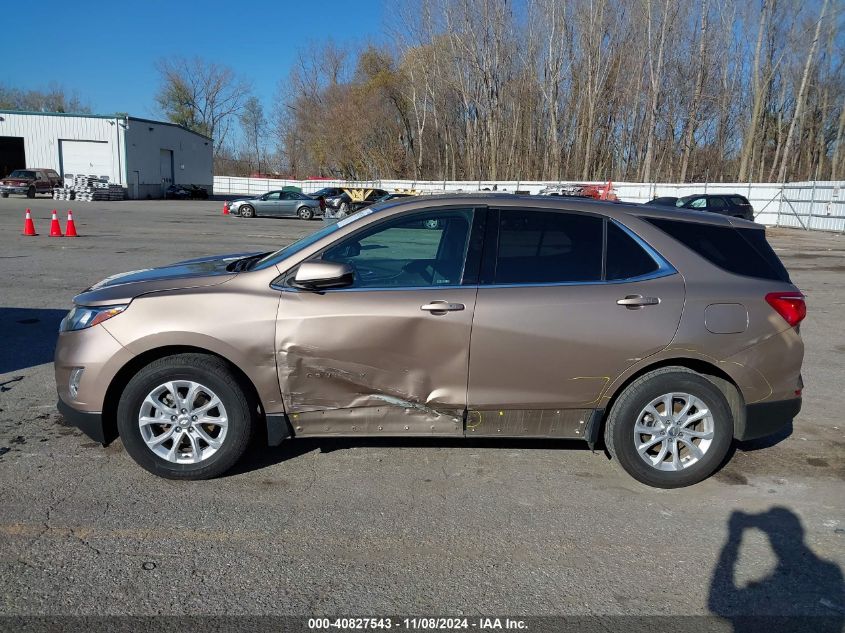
544,247
739,251
625,258
739,201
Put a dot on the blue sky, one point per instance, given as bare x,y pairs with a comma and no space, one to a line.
105,51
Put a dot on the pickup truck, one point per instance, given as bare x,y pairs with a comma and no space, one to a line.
30,182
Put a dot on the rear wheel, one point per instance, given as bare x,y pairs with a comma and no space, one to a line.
670,428
305,213
247,211
185,417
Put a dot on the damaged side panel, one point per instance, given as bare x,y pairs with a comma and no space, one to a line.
373,362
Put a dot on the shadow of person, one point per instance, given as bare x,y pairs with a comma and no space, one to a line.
803,593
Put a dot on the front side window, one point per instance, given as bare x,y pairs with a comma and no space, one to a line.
422,250
274,195
697,203
548,247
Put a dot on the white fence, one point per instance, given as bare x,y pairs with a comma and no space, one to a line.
816,205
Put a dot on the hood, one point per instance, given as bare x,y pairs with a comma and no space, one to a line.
16,181
192,273
242,199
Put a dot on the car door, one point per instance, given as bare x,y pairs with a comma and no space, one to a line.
388,354
716,204
41,182
268,204
287,203
559,316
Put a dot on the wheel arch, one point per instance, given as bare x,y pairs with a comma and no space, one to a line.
721,379
136,363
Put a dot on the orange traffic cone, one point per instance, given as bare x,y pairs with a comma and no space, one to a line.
28,225
225,208
70,230
55,227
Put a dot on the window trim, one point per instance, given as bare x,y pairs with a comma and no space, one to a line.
491,246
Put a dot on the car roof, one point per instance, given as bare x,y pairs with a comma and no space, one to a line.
564,203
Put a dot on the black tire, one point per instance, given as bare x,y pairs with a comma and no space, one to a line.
5,195
619,431
30,193
247,211
305,213
209,371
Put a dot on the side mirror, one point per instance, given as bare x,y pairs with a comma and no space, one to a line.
323,276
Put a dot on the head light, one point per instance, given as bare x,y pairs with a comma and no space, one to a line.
81,317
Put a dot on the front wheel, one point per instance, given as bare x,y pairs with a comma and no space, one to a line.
305,213
670,428
185,417
247,211
30,193
5,195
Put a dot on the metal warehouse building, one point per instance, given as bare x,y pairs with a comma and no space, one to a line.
144,156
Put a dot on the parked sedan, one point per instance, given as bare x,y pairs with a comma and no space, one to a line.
277,204
665,332
186,192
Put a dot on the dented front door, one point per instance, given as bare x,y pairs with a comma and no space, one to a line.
388,356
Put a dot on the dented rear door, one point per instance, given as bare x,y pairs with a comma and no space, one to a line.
388,356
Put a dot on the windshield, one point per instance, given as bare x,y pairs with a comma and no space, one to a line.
308,240
22,173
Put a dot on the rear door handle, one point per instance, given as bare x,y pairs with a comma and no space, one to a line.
635,302
442,306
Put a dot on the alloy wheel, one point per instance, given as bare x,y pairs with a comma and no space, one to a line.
674,431
183,422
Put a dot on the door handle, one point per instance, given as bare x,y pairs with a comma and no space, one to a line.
635,302
442,306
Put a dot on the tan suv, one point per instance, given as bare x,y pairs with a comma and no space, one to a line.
667,333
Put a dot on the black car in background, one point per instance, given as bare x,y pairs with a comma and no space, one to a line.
186,192
731,204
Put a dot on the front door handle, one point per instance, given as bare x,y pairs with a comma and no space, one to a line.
442,306
635,302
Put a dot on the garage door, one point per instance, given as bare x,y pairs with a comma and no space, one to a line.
89,158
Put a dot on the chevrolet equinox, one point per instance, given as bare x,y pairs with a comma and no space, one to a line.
664,333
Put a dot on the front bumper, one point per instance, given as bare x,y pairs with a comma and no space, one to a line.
90,423
767,418
14,189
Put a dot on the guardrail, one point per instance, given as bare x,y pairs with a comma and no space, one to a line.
816,205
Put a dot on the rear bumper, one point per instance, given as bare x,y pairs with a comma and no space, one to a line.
89,423
768,418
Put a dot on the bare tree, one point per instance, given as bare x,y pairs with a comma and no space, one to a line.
802,92
253,128
55,98
201,95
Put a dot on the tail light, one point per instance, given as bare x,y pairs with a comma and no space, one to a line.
790,305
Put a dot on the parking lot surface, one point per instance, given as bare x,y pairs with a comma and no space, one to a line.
378,527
